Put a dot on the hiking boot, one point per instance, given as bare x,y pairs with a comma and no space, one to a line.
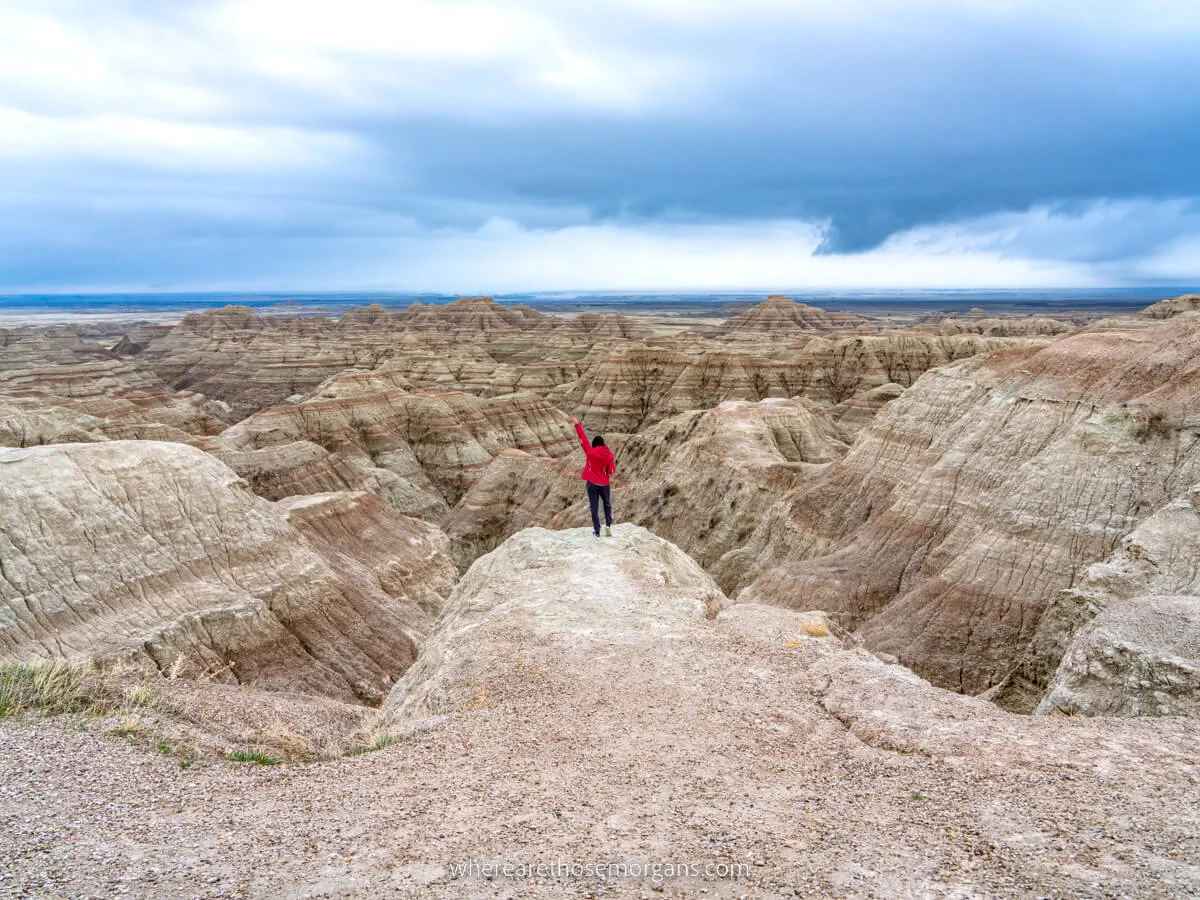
607,531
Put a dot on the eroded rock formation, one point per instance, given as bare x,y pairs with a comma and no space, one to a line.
1125,640
779,317
638,384
1174,306
437,444
973,493
254,362
156,555
56,387
982,491
546,591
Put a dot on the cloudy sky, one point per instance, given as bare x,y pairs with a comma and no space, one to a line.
624,144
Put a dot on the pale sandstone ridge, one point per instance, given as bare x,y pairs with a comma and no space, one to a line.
558,597
157,555
424,449
777,315
56,387
1174,306
980,493
255,362
633,646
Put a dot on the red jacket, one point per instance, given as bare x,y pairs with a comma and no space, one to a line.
600,462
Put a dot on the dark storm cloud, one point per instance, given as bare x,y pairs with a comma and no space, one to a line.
871,121
874,134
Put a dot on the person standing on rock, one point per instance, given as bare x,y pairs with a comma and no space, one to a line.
600,464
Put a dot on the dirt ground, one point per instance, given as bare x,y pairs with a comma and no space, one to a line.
718,760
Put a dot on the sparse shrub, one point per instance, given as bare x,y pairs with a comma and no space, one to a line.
670,490
250,755
816,629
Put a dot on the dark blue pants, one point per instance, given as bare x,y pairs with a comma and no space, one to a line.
596,493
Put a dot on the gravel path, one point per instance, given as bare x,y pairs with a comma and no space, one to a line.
716,753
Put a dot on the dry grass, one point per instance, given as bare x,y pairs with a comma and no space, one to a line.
51,688
189,719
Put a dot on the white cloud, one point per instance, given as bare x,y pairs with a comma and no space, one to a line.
162,144
418,53
54,56
773,255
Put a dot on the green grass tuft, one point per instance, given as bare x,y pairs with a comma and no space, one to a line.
379,742
252,756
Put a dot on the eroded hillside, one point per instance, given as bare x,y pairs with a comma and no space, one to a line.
299,538
601,702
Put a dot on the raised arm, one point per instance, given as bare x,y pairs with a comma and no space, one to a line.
583,441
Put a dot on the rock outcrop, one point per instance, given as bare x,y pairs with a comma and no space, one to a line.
366,542
251,362
856,413
555,595
254,362
704,479
517,490
637,384
1123,641
156,555
780,317
579,701
1014,326
1138,658
980,493
1175,306
302,467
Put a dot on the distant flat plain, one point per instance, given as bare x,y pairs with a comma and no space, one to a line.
109,315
